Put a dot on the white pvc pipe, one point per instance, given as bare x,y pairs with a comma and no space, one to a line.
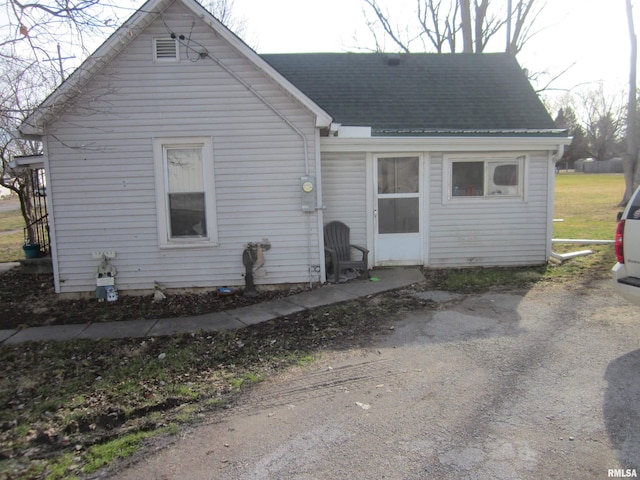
582,242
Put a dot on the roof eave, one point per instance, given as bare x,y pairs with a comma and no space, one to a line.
444,143
523,132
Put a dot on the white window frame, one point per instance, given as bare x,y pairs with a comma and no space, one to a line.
489,192
160,146
157,59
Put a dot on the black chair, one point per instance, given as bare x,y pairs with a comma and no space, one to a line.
338,248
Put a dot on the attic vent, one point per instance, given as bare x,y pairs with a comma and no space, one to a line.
393,59
165,49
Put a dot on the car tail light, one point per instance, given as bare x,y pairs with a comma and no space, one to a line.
619,244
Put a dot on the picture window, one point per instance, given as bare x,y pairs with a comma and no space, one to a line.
486,177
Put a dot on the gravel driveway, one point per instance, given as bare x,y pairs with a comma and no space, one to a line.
530,385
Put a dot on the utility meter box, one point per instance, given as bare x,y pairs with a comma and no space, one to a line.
308,189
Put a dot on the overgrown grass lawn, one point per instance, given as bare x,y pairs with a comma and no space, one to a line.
68,408
10,240
587,204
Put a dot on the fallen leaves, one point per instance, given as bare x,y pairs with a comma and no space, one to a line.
61,398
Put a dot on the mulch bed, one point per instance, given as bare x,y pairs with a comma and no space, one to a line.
28,300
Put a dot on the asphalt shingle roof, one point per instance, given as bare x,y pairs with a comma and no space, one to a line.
422,94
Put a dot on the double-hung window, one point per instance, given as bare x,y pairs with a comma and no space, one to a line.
185,191
485,177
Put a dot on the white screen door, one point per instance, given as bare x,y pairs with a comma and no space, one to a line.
397,211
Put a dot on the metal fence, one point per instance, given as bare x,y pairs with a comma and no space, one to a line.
589,165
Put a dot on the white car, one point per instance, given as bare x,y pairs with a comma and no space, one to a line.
626,273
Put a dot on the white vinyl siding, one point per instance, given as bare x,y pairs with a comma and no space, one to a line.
490,231
344,192
498,230
103,169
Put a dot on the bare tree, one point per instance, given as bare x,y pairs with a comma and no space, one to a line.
467,38
382,19
223,10
520,20
441,24
603,122
22,86
631,164
31,68
34,29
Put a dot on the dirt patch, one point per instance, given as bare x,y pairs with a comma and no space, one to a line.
64,399
29,300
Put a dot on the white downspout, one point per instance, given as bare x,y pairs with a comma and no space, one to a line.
558,153
320,209
554,158
271,107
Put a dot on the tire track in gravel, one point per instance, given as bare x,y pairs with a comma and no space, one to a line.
306,384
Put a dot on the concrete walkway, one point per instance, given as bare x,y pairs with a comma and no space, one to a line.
5,267
388,279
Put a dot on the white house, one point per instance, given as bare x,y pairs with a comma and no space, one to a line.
175,145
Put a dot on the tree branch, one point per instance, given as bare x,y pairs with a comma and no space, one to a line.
386,25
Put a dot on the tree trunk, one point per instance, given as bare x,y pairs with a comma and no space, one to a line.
467,35
26,195
630,160
481,14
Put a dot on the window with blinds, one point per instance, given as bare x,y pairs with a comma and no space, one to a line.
185,191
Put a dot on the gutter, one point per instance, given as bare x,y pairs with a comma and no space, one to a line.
19,135
382,144
305,146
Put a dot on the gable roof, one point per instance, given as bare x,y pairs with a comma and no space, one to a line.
124,35
420,94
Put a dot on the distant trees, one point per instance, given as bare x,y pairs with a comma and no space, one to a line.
596,120
603,120
609,125
579,148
